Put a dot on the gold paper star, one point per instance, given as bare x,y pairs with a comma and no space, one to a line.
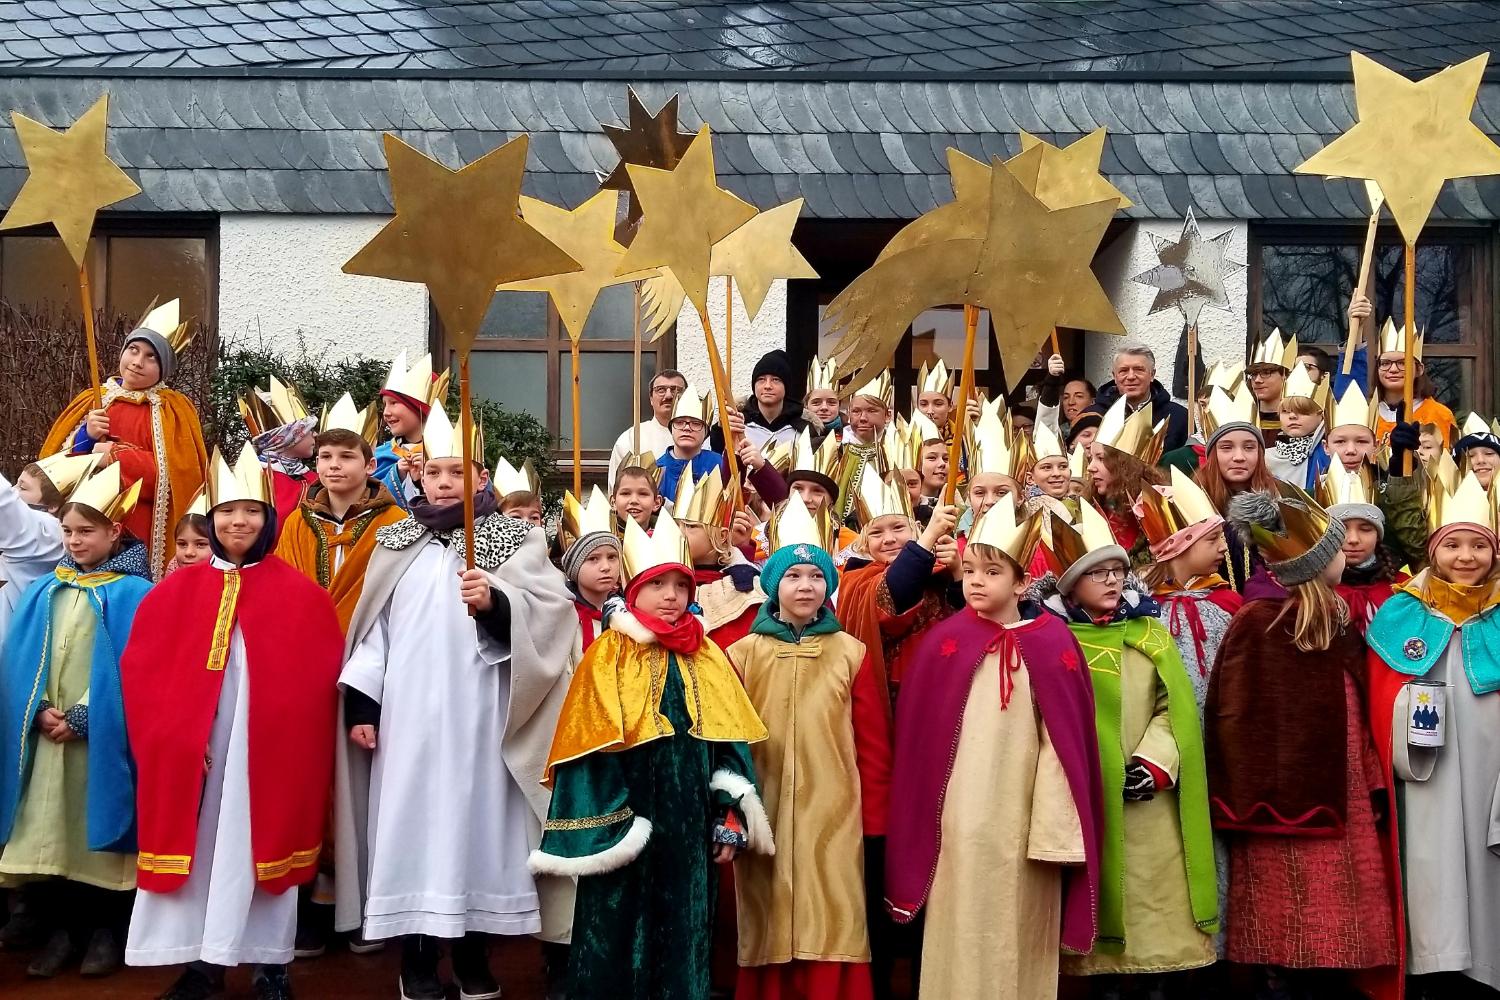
459,232
686,213
1031,270
649,141
71,178
587,235
1411,137
1069,175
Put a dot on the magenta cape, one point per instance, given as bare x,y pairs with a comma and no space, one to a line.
929,716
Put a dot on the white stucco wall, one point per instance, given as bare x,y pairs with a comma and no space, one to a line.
1221,334
279,276
751,339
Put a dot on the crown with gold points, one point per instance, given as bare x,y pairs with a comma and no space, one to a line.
1393,341
66,471
1474,426
1220,409
1442,471
794,524
275,406
1163,511
880,387
1339,486
580,518
1045,443
247,479
922,429
1302,524
416,382
704,502
199,503
822,460
343,416
998,528
440,439
665,546
877,498
823,374
1353,409
1469,503
1067,542
778,455
102,492
1226,375
1132,434
993,451
898,447
166,321
508,479
693,405
1273,351
935,379
1299,384
642,460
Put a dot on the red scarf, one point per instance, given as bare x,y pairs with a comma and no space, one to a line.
684,638
588,620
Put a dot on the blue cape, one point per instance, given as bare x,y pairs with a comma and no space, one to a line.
1410,637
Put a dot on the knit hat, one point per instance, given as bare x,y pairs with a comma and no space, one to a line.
1235,425
1069,577
1082,422
1363,511
1297,538
801,554
773,363
577,553
166,357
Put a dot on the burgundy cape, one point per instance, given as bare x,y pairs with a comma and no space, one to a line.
294,646
929,717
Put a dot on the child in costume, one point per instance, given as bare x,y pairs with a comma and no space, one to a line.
31,543
1292,774
1158,903
1478,449
1390,373
331,534
1370,572
1122,464
869,412
1434,649
406,401
151,430
230,701
1297,457
519,491
810,476
996,839
802,929
282,434
190,537
822,401
67,807
1351,430
591,561
495,678
634,496
727,585
1234,461
651,780
689,456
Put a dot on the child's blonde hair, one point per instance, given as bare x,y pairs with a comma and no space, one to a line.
1300,405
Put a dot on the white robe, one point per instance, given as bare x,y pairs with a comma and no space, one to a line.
219,915
655,438
30,547
447,830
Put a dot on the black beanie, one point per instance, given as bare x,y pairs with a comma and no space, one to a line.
773,363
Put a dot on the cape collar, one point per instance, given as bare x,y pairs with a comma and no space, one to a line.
497,538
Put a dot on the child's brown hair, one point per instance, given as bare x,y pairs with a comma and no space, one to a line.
635,472
195,523
340,437
52,497
1300,405
520,498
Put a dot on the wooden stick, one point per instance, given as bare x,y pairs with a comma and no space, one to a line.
1411,340
635,393
721,394
1365,264
466,428
1192,377
955,447
577,427
729,329
1055,349
87,301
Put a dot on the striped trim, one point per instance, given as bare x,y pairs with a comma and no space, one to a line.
164,864
590,822
218,652
265,871
74,578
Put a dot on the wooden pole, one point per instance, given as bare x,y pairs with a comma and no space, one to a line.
577,427
90,336
966,391
1055,348
635,392
729,330
1411,340
721,395
1192,377
466,428
1365,263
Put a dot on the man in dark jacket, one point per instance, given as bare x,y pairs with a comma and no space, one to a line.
769,415
1134,372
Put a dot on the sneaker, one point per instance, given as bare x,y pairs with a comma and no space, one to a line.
57,954
419,970
311,942
102,956
471,967
195,984
360,945
272,982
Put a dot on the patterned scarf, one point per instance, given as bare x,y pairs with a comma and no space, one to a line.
1295,450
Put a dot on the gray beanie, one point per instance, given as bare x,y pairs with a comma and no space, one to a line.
1254,513
1233,425
1363,511
1088,561
573,559
164,353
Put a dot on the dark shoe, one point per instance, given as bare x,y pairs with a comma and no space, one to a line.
471,967
102,956
311,941
58,953
272,982
358,945
24,930
195,984
419,969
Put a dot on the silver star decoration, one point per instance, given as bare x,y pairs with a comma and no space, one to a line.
1191,273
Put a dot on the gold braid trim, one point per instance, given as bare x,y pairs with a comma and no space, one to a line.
266,871
160,509
590,822
218,652
164,864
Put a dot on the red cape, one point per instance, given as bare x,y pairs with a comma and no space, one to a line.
294,648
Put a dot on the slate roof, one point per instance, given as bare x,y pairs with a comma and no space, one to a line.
858,128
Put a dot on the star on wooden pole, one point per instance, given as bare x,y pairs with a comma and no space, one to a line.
650,140
1190,272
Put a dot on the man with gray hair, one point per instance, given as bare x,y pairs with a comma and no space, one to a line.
1134,377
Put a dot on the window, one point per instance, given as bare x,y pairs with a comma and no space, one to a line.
521,360
1302,278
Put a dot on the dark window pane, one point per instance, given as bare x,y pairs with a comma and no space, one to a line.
516,316
607,390
1454,379
611,317
142,268
36,272
514,379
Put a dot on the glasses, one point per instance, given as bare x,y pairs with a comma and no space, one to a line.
667,390
1104,574
1391,364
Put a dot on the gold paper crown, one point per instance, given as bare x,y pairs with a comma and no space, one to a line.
999,529
703,502
778,455
1394,341
794,524
665,546
1164,511
1304,523
273,407
1078,463
166,321
102,492
922,429
1226,375
877,498
440,439
66,471
1132,433
579,519
897,446
643,460
993,450
823,374
199,504
344,417
1069,542
1272,351
1470,503
1353,409
935,379
691,405
1474,424
247,480
1339,486
880,387
1299,384
417,382
1219,409
824,460
508,479
1442,471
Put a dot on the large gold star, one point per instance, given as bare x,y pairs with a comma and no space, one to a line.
71,178
587,235
686,213
459,232
649,141
1068,176
1411,137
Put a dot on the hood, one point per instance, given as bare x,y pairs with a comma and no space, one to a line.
790,416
